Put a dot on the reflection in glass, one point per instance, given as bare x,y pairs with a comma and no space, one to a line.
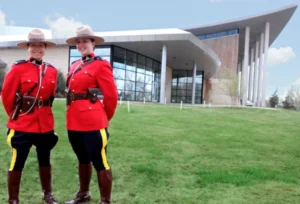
74,53
102,51
140,86
139,96
119,73
120,84
182,86
129,95
130,75
119,53
131,56
141,59
130,86
131,66
140,77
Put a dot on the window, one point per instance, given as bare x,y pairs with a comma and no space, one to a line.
218,34
137,76
182,86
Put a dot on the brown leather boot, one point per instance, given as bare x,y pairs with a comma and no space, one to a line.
13,181
85,175
46,182
105,185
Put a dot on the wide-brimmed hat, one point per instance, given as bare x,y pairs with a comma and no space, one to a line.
85,32
35,35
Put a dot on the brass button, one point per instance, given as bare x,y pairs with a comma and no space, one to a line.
41,97
72,79
29,80
52,81
85,72
42,87
28,102
90,108
73,90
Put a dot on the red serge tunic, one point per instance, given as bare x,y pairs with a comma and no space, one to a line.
82,115
22,76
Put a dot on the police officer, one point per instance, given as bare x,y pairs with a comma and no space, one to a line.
27,96
87,116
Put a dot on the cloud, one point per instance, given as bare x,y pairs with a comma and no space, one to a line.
280,55
297,82
61,26
2,18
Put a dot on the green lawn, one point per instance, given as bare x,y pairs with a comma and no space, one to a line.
160,154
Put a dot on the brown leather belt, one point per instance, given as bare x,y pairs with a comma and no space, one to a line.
41,103
74,97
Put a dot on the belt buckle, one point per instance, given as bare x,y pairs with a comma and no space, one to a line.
72,97
40,103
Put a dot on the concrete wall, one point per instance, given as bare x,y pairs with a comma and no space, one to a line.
168,84
57,56
227,49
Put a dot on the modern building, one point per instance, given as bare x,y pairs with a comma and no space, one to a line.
174,65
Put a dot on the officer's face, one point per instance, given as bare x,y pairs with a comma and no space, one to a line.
37,50
85,46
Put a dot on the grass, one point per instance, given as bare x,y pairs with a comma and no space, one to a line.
160,154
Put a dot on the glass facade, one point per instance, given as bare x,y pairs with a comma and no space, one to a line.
218,35
137,76
182,86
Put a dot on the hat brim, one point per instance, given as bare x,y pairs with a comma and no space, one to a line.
26,43
72,41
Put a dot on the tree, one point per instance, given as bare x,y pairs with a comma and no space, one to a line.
2,74
61,84
274,99
230,84
292,99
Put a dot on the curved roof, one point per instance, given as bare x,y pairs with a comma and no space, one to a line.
277,18
183,47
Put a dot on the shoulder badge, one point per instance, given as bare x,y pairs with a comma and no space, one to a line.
20,62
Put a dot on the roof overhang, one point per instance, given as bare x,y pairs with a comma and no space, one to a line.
183,48
277,18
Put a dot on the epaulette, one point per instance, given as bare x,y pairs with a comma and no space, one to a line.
20,62
75,61
48,64
98,58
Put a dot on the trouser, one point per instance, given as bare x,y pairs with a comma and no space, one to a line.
21,143
90,146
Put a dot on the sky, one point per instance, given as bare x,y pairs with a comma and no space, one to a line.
63,17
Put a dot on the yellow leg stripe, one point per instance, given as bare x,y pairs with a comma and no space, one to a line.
14,151
13,160
103,153
10,135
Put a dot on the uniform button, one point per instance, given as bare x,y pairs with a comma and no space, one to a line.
85,72
42,87
28,80
90,108
28,102
72,79
52,81
41,97
73,90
